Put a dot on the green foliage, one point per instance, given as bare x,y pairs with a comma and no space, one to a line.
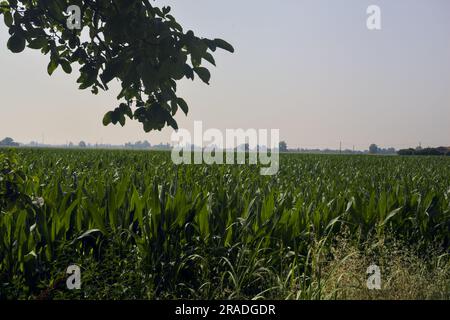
373,149
8,142
13,181
137,43
16,43
203,231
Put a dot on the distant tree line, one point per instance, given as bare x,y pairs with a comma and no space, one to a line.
145,145
374,149
8,142
138,145
441,151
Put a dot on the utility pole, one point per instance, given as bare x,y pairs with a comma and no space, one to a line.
340,147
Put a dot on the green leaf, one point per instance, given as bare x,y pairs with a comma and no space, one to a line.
208,57
171,122
147,126
87,83
391,215
93,233
66,66
112,69
115,117
224,45
183,105
16,43
166,10
37,43
174,106
122,120
203,73
107,119
73,42
125,109
30,256
188,72
53,64
8,19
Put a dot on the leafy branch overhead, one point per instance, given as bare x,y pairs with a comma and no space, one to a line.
133,41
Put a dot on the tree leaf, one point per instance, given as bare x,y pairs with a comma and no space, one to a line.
53,64
224,45
107,119
122,120
188,72
125,109
66,66
171,122
111,71
203,73
183,105
208,57
37,43
16,43
174,107
8,19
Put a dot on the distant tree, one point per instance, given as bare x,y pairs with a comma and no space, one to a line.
162,146
441,151
406,152
444,150
82,144
391,151
8,142
373,149
138,145
283,146
146,145
429,152
136,42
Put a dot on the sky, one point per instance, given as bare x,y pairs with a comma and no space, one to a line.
310,68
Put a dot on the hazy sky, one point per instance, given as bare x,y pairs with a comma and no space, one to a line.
308,67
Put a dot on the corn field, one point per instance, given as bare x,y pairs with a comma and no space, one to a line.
142,228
